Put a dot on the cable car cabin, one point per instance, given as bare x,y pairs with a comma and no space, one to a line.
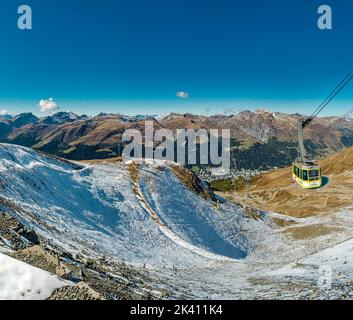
307,175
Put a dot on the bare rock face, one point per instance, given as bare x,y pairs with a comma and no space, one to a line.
38,257
79,292
14,235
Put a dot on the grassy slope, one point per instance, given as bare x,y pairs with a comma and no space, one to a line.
275,191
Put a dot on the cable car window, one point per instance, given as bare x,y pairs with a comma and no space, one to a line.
305,174
300,173
314,173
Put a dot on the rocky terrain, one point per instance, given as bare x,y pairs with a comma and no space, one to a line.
87,279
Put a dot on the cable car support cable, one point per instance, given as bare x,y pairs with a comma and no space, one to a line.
306,173
332,95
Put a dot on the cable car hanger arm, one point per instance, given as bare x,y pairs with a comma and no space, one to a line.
302,123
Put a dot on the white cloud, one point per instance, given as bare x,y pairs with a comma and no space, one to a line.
182,94
3,112
48,105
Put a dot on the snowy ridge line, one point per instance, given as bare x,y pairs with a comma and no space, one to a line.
169,233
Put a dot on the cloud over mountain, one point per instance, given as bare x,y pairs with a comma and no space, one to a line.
48,105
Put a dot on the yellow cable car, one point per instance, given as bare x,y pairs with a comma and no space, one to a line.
307,175
305,172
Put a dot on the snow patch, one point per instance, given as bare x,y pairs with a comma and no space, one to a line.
20,281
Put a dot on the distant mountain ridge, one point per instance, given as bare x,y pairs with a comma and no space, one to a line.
260,139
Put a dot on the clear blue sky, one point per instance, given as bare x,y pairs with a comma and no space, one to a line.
133,56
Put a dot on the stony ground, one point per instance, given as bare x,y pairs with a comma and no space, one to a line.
91,279
107,280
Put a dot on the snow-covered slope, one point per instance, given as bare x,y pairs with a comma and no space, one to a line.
337,259
146,216
20,281
101,210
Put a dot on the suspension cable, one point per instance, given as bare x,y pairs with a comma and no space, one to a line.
332,95
346,115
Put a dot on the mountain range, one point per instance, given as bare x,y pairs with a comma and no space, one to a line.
260,139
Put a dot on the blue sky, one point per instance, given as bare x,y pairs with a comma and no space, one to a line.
134,56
